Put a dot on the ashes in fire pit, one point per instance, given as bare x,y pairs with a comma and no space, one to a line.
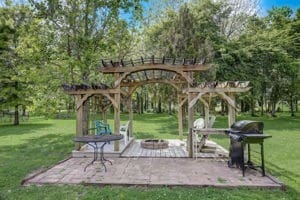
154,144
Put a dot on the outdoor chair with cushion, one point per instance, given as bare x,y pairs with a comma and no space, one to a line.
199,123
124,130
199,142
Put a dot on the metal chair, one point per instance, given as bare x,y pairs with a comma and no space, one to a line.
102,128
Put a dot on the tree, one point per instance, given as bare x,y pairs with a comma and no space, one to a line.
262,54
14,79
83,32
238,12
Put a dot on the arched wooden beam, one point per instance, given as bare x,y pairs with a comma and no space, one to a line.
174,69
134,85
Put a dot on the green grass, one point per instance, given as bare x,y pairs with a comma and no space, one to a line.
40,143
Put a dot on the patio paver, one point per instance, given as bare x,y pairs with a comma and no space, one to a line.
153,172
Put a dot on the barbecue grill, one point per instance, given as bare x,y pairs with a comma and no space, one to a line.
244,133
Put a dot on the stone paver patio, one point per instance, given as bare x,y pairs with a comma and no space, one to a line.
152,172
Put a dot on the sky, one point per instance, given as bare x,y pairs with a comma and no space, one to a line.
268,4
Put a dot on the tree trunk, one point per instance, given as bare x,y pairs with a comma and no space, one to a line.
273,108
222,107
170,108
252,104
159,105
292,106
261,105
142,102
146,101
16,121
138,102
246,106
23,111
184,111
242,106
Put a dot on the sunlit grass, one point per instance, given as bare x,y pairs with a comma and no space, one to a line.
41,143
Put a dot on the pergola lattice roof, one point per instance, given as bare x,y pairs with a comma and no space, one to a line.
107,64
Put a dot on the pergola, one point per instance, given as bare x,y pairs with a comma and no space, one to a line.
129,75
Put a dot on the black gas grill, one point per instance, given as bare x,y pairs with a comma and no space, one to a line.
244,133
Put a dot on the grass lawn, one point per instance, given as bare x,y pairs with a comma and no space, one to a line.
40,143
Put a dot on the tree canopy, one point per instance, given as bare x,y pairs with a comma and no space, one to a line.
44,44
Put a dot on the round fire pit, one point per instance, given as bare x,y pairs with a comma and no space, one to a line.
154,144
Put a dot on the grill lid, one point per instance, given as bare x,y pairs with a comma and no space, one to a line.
247,127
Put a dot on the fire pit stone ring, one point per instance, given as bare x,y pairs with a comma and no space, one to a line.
154,144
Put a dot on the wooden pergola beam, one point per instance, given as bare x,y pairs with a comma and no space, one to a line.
194,100
217,90
204,102
120,78
93,91
112,99
80,101
229,99
182,101
187,77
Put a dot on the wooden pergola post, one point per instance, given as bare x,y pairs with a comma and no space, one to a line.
191,103
180,122
206,115
79,126
181,101
231,110
117,98
104,115
85,117
130,113
190,125
82,122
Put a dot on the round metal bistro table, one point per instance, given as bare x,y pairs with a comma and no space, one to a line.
93,141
